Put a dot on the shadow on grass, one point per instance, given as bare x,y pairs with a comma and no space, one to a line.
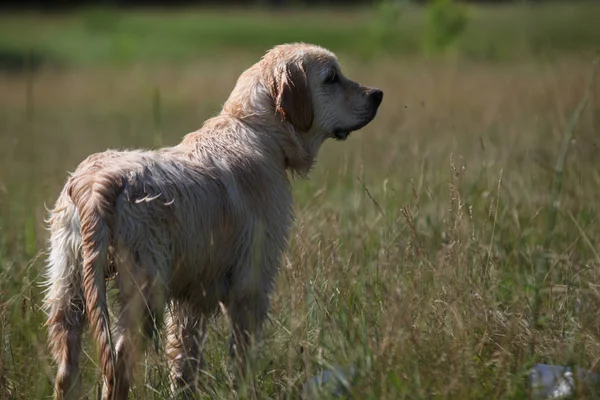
18,61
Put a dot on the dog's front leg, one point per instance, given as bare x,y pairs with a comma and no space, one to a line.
247,316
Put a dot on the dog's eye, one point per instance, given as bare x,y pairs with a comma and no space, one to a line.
333,77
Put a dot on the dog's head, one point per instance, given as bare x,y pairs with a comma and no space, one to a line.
309,90
297,95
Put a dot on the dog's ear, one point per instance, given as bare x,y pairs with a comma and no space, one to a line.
291,95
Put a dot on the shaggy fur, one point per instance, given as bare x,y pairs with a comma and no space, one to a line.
189,227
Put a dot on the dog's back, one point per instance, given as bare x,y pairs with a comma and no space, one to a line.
196,224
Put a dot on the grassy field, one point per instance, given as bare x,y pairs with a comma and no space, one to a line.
102,36
422,252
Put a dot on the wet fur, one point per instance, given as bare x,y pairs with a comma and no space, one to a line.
190,227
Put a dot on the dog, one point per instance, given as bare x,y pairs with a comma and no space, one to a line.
190,229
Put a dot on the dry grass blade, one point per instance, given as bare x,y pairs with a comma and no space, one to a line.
541,263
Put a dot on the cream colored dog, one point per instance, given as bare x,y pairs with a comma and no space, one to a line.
191,226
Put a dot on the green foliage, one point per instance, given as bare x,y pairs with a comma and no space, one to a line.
446,21
393,27
388,14
100,19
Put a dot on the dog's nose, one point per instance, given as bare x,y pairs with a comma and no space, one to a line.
376,97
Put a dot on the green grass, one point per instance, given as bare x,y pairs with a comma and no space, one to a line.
108,36
413,256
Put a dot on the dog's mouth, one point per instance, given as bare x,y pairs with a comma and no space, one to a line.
343,133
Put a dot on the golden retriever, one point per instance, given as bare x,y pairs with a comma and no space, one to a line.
195,226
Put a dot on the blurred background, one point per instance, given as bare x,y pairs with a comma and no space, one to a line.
82,33
430,249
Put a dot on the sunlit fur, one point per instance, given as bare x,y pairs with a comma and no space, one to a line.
187,228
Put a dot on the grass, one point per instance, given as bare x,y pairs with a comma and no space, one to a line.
413,257
107,36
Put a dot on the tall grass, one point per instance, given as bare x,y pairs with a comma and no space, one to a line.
554,203
413,256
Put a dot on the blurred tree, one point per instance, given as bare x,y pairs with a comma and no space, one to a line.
446,20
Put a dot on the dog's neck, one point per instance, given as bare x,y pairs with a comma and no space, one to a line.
251,103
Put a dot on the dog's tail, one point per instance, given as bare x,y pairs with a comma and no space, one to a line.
64,297
94,196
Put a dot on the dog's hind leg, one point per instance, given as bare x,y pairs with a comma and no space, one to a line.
142,297
64,299
186,336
